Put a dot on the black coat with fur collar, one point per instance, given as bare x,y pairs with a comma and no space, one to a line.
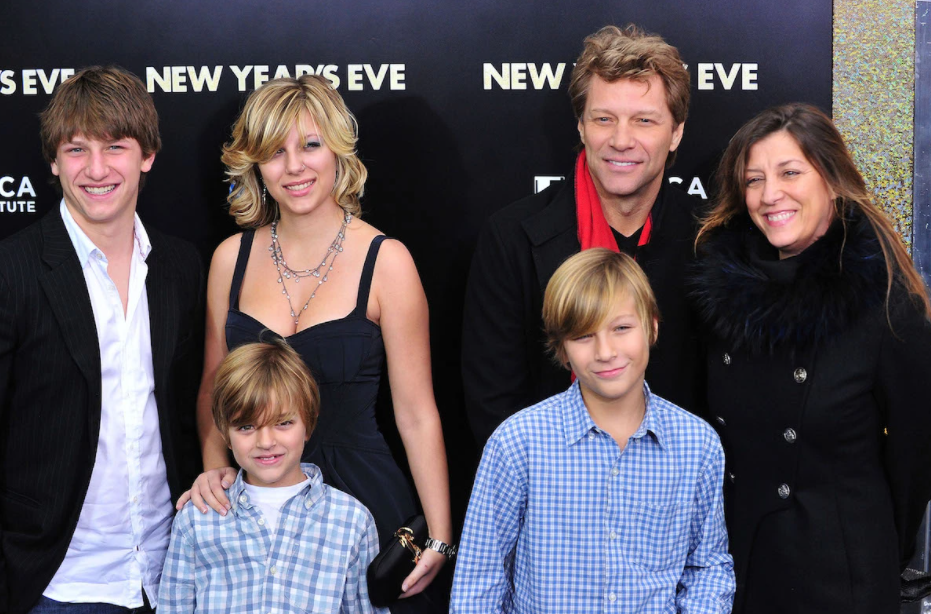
805,380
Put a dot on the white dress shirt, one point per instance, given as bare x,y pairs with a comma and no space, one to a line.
121,539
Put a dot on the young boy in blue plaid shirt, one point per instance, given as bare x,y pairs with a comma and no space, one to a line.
290,543
605,498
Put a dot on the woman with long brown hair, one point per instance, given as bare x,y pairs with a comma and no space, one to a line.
819,367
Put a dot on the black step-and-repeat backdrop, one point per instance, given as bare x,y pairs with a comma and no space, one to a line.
462,108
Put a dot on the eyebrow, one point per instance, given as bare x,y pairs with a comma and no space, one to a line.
642,111
782,164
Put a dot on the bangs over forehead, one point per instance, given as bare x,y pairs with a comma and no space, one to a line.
261,410
105,104
585,292
269,120
262,383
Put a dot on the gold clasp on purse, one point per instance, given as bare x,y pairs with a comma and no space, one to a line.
406,537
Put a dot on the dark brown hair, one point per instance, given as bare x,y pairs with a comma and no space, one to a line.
824,149
100,102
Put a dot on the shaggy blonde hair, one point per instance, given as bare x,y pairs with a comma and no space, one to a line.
584,290
613,54
261,384
270,113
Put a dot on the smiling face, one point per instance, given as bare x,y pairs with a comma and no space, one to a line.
270,454
610,362
628,132
301,174
100,178
786,197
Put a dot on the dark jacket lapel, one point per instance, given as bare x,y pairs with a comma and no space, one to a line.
66,291
553,234
163,310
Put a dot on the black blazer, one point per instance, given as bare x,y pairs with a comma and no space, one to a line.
50,389
505,365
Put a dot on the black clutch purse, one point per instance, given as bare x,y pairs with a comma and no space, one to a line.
397,559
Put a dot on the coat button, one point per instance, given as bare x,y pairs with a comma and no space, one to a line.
784,491
800,375
727,358
731,477
720,421
790,435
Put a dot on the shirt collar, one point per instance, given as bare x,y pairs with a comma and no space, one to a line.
310,495
86,249
577,422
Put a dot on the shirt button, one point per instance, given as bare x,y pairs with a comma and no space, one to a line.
136,499
261,522
615,471
790,435
243,498
612,535
612,597
800,375
784,491
727,358
591,435
273,570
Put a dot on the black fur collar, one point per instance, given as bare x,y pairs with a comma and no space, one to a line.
751,299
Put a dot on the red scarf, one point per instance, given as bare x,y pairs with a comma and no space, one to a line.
594,230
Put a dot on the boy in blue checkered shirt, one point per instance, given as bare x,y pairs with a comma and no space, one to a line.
289,543
605,498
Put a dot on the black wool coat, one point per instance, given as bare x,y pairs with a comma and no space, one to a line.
822,403
505,364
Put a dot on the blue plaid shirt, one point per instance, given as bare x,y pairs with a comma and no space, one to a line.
314,562
561,520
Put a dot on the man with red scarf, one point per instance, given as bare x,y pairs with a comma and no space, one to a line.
630,94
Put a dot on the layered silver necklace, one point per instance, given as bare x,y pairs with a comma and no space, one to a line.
320,272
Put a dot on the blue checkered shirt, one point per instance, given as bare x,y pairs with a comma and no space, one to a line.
561,520
315,561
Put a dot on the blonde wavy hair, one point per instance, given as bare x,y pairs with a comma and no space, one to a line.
268,116
584,291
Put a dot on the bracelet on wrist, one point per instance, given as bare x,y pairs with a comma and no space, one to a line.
441,547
